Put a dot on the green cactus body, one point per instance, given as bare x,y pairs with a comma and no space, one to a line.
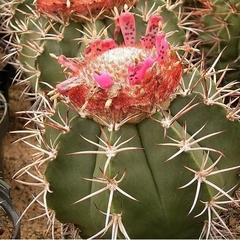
145,176
149,178
217,21
36,37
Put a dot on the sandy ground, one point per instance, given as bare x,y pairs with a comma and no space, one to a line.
17,155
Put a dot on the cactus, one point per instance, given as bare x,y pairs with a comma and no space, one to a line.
36,35
34,38
217,23
37,32
79,9
139,141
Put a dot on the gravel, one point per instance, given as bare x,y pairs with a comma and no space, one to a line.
17,155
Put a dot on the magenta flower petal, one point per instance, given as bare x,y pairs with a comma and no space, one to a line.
104,80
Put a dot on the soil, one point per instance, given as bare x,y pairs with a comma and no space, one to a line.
6,226
17,155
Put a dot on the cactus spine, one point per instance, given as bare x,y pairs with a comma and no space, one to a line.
217,24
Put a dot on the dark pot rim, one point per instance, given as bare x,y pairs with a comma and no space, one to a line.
5,200
4,119
3,51
6,204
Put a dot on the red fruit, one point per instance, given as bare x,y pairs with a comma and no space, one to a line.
75,8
